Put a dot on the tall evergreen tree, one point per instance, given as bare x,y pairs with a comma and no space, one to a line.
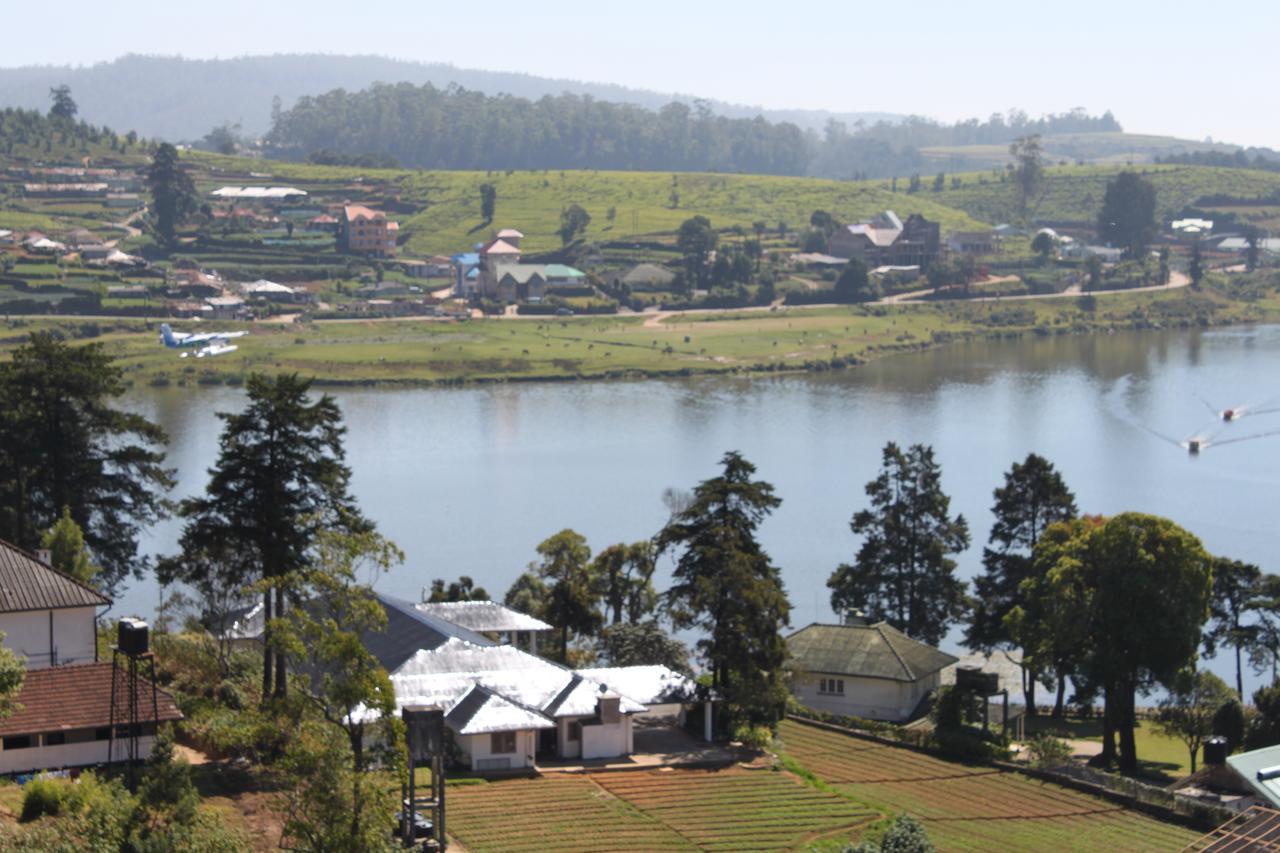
65,543
63,447
281,477
173,194
1033,496
903,572
726,584
572,588
1235,590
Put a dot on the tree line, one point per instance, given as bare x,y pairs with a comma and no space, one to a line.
456,128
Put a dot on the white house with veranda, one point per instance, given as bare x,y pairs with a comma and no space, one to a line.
860,669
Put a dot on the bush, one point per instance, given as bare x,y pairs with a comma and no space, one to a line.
1046,751
42,796
753,737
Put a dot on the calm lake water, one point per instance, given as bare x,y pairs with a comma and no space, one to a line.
469,481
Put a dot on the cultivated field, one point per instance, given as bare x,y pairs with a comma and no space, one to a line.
732,809
974,807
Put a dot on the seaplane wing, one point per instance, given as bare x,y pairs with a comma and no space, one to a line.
215,349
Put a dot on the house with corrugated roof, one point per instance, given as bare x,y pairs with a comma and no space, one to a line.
860,669
62,715
886,239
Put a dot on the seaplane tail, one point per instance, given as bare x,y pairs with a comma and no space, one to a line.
168,338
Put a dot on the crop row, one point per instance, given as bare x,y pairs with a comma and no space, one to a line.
736,809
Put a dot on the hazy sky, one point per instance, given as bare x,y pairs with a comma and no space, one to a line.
1190,69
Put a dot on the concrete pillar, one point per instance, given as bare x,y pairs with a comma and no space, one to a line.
533,642
708,713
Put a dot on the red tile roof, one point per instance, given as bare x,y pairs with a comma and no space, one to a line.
62,698
28,584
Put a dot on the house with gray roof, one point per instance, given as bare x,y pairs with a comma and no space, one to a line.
860,669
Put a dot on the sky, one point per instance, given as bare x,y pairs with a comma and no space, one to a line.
1172,67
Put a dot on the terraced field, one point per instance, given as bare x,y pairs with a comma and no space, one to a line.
732,809
558,812
974,807
737,809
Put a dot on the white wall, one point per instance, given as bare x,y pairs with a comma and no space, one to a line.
477,748
73,635
872,698
566,748
607,740
67,755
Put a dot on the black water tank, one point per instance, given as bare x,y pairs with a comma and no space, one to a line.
133,637
1215,751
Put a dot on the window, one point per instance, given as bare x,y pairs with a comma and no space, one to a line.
55,738
575,730
103,733
831,686
17,742
502,742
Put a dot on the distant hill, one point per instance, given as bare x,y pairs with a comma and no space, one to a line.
182,99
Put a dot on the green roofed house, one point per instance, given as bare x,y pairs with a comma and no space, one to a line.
865,670
521,282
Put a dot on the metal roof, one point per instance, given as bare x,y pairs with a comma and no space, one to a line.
1250,764
649,685
481,711
482,616
28,584
869,651
409,631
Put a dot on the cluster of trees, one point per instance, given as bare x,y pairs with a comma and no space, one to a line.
455,128
1266,159
1117,605
45,133
724,583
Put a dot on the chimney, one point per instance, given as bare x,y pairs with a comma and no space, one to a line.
1215,751
609,709
45,556
854,617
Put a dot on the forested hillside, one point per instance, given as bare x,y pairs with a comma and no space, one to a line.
28,135
432,128
178,99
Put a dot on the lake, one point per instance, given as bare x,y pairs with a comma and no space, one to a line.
470,480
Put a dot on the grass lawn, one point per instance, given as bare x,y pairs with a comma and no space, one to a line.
1164,758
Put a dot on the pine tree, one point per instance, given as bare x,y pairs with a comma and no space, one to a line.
903,572
1033,496
281,476
726,584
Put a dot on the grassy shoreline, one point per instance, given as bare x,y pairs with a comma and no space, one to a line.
435,353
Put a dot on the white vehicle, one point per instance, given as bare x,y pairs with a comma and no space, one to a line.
205,343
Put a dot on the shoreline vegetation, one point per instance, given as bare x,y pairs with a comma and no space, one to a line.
433,353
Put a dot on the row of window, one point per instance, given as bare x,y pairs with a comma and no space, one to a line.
831,686
74,736
505,742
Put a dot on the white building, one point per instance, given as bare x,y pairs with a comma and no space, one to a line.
509,709
63,713
863,670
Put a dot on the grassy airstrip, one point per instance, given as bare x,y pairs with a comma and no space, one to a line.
485,350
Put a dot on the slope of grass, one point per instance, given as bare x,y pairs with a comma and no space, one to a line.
1074,193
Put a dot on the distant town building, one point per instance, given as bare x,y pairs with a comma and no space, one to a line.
363,231
887,240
